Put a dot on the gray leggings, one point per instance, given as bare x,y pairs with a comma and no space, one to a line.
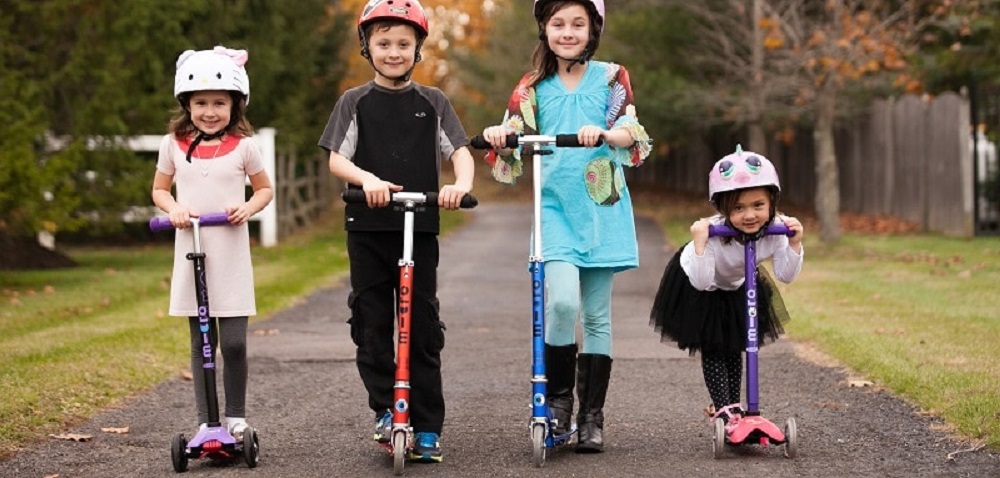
232,339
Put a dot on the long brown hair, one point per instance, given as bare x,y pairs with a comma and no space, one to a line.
183,127
543,59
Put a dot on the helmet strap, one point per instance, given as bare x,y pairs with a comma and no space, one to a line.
202,137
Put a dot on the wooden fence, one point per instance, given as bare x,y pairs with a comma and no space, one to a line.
305,190
908,157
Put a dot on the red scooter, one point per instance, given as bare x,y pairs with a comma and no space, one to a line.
401,442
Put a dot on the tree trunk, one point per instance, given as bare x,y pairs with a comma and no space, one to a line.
827,179
755,128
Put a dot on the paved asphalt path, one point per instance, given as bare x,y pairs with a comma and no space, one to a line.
309,405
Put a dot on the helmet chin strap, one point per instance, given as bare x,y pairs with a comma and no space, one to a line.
202,136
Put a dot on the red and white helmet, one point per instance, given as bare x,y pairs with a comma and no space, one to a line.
741,170
596,7
409,11
219,69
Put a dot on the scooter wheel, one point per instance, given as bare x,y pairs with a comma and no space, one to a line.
178,453
398,452
538,444
791,438
251,447
718,438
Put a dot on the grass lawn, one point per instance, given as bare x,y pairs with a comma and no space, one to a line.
77,340
916,314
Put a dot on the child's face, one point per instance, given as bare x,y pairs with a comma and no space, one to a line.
210,110
568,31
393,52
751,211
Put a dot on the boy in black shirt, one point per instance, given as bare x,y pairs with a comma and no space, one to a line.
384,136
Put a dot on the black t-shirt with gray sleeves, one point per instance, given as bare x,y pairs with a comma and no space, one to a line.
399,136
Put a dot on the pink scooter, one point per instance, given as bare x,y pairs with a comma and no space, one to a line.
752,429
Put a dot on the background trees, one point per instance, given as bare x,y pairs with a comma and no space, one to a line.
753,68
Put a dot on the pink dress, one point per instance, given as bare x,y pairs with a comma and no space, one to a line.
214,180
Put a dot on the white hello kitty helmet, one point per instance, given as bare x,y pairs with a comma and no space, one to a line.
218,69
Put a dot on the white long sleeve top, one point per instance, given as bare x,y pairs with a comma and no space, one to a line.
721,265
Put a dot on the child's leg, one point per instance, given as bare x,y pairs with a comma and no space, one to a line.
197,371
734,372
427,407
595,292
562,302
713,367
233,344
374,279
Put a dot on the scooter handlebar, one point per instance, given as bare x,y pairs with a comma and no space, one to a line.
513,141
357,196
162,223
722,230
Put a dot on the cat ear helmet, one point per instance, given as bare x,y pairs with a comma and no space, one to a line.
597,13
744,170
219,69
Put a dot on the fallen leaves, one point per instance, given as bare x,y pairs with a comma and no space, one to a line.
115,430
265,332
77,437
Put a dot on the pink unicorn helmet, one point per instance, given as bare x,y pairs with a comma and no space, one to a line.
741,170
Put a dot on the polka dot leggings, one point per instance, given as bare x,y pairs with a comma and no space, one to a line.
723,373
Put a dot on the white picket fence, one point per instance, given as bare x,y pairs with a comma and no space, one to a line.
268,217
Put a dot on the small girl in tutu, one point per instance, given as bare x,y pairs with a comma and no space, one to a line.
700,302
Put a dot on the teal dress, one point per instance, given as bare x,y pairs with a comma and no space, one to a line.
587,217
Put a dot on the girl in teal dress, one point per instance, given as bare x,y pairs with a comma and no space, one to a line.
588,228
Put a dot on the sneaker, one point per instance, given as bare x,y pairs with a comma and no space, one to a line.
426,448
236,427
383,427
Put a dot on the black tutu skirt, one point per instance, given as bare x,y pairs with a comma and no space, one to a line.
713,321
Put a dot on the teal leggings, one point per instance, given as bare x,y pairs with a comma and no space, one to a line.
584,292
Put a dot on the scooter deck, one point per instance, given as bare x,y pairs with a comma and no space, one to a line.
755,430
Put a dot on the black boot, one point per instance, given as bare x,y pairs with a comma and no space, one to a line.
592,387
560,369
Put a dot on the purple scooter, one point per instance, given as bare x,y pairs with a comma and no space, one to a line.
214,441
752,428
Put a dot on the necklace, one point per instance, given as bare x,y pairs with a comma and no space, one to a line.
204,169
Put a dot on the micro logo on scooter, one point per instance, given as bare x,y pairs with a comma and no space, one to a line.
401,405
539,399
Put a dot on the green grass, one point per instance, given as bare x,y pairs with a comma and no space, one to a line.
915,314
77,340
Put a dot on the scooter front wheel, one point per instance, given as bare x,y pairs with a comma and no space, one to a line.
251,447
538,444
791,438
718,438
178,453
398,452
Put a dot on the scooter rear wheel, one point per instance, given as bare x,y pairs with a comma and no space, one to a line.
718,438
178,453
398,452
791,438
251,447
538,444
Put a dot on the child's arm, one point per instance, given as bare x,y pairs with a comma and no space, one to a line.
697,263
788,260
618,137
464,166
263,192
180,216
377,191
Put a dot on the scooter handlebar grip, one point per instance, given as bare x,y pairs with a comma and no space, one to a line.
162,223
354,196
572,141
479,142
